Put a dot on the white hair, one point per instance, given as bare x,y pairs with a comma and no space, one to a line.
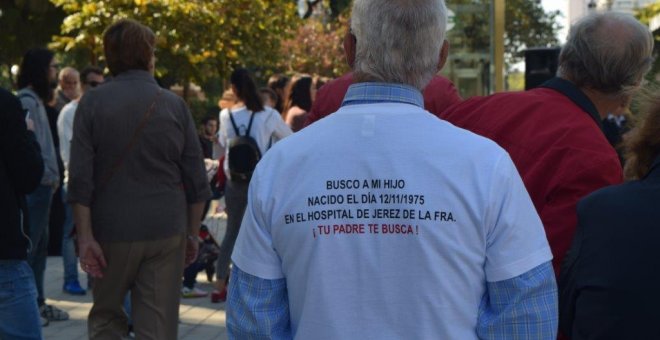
609,52
398,41
68,72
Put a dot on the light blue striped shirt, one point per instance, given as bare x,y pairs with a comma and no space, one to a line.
370,93
524,307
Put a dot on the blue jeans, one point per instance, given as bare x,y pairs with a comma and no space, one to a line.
190,274
128,307
38,203
236,195
19,314
68,244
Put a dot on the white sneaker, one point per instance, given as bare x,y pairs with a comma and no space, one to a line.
193,292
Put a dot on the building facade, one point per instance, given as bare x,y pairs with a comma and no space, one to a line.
580,8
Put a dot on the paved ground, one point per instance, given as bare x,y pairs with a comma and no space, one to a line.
200,319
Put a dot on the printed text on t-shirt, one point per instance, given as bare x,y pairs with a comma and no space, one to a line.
386,205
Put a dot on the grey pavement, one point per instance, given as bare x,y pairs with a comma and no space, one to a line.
199,318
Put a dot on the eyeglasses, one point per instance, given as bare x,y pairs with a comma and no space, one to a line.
94,83
55,66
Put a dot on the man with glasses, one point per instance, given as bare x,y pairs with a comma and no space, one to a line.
91,77
36,79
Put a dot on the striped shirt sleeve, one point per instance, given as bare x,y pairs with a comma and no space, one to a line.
523,307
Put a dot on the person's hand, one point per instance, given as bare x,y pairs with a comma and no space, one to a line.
192,245
30,124
92,260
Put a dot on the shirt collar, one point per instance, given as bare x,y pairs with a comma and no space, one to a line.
571,91
372,93
135,75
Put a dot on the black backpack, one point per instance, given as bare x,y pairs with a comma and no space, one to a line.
243,154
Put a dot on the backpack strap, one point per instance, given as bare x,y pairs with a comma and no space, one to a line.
247,133
134,138
233,123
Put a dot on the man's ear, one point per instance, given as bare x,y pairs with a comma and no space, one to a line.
349,48
444,53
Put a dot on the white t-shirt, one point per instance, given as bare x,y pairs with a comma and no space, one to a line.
65,133
392,227
267,128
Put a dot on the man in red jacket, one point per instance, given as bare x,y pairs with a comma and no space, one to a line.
553,133
439,94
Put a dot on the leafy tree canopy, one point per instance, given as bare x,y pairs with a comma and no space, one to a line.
645,15
316,45
196,40
25,24
528,25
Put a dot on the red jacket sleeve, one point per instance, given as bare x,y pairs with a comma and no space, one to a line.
439,95
559,214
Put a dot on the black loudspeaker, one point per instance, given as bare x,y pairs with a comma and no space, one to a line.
540,65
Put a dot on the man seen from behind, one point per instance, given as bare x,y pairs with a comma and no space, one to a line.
405,227
553,133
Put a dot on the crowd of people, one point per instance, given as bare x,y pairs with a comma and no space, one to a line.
376,205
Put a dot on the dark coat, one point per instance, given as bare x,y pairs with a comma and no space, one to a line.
21,168
608,288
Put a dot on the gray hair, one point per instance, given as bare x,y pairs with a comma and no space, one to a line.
398,41
68,72
609,52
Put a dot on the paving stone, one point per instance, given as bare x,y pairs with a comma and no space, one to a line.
200,319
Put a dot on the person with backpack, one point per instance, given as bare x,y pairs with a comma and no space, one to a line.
247,130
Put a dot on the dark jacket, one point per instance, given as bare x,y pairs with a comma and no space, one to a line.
609,281
146,196
21,168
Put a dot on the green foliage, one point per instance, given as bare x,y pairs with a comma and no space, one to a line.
199,109
24,24
316,48
471,33
528,25
339,7
318,42
645,15
196,40
649,12
515,81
